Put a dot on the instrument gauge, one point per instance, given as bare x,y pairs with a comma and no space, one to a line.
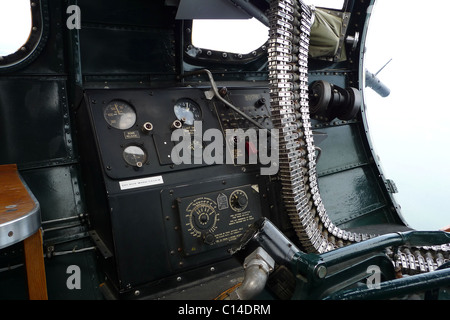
187,111
119,114
134,156
238,200
202,219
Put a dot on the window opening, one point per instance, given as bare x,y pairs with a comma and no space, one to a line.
234,36
15,25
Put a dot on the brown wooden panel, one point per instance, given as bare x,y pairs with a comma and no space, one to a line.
34,261
15,201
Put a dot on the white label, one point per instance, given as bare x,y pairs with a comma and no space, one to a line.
139,183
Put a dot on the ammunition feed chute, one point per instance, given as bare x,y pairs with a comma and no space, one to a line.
290,25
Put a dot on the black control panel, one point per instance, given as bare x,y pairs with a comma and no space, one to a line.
155,216
255,104
217,219
134,127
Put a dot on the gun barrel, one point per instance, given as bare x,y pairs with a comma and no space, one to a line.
374,83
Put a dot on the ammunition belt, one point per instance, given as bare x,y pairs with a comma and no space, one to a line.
290,23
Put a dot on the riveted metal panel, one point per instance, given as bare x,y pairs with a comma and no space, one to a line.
37,130
351,194
123,50
54,189
341,150
153,13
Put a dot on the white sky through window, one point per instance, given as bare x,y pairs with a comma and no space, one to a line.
15,25
236,36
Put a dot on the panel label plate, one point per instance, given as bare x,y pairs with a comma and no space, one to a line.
139,183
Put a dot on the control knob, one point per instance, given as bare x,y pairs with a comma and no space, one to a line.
209,238
238,200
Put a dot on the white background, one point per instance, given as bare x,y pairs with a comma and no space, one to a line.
409,128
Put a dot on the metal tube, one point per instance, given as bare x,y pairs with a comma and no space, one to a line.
398,287
373,82
218,96
254,282
252,11
258,265
63,219
410,238
66,226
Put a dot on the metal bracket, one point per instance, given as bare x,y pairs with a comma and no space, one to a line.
101,246
391,187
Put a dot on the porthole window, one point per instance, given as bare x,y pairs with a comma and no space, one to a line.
330,4
15,25
21,31
230,35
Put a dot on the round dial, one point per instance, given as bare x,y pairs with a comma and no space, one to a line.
187,111
120,115
238,200
135,156
202,217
